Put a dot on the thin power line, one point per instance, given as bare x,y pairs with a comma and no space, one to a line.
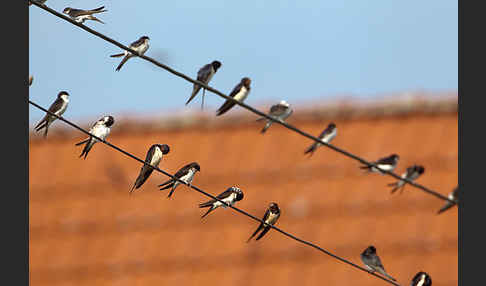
288,126
211,196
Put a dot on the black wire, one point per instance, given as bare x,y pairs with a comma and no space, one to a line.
209,195
288,126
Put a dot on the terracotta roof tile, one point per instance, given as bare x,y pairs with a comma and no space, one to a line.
86,230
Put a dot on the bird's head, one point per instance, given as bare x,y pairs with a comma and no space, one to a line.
216,65
164,148
63,95
246,81
284,103
108,120
238,192
274,208
370,250
195,166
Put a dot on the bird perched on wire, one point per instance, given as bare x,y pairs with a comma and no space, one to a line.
386,163
230,197
270,218
185,174
205,74
279,111
38,1
140,46
239,93
421,279
58,107
326,136
373,262
412,173
100,129
454,195
80,15
153,158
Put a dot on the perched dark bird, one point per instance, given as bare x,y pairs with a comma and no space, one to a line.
326,136
454,195
58,107
412,173
205,74
230,197
31,79
101,129
140,46
387,163
154,156
38,1
421,279
80,15
239,93
279,111
373,262
185,174
270,218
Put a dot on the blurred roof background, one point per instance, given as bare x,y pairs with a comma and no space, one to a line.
86,230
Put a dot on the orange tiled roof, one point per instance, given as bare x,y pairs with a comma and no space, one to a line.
86,230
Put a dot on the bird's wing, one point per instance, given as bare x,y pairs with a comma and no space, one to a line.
221,196
278,109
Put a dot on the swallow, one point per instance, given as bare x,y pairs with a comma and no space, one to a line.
38,1
386,163
326,136
154,156
100,129
454,195
58,107
270,218
373,262
31,79
239,93
411,174
230,197
80,16
205,74
185,174
279,111
421,279
140,46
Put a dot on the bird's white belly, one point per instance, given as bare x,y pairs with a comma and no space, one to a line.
81,19
272,218
330,136
141,49
386,167
62,109
422,281
209,78
156,157
188,177
240,96
229,200
287,113
100,131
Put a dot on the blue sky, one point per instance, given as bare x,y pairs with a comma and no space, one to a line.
294,50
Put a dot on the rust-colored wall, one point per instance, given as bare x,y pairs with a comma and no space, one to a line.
86,230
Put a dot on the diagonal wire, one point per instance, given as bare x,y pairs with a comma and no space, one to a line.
211,196
286,125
